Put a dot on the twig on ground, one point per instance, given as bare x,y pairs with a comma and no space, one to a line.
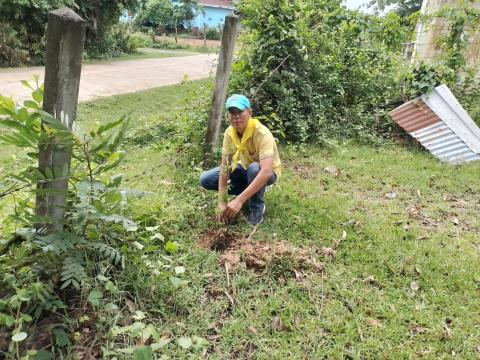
228,275
254,230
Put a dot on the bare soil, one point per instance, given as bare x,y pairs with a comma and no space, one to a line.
237,249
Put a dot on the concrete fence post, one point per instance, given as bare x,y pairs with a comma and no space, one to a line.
65,41
225,60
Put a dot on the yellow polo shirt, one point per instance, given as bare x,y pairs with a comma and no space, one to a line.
260,146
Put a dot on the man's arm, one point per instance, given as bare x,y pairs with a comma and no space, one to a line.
234,206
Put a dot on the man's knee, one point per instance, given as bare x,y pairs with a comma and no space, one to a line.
204,180
253,170
209,179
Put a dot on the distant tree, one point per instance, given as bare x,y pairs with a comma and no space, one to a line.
158,12
166,13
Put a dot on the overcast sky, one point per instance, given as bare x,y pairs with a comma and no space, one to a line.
361,4
355,4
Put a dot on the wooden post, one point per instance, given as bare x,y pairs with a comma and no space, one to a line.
224,66
204,35
65,39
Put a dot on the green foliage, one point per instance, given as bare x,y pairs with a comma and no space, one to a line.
213,33
402,7
451,66
118,40
139,40
159,12
463,21
165,13
22,30
94,228
424,77
314,69
24,23
12,52
169,45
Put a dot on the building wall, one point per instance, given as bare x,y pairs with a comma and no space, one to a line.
427,35
212,17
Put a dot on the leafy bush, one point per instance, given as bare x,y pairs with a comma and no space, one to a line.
94,227
121,39
23,28
139,40
315,69
213,33
11,50
169,45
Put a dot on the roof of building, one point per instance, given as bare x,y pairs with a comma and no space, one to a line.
227,4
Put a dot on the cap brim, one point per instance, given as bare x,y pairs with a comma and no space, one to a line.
236,106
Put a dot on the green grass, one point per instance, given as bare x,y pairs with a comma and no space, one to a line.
148,53
403,284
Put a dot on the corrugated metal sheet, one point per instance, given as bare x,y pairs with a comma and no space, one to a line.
442,142
440,124
414,115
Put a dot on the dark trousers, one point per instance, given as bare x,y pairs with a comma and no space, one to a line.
239,181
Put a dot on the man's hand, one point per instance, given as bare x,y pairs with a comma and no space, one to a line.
232,209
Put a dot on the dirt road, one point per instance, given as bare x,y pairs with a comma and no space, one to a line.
99,80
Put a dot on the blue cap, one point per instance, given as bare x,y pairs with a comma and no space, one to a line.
237,101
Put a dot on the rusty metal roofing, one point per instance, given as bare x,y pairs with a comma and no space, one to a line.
414,115
440,124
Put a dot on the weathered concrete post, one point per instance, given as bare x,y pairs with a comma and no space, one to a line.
225,60
65,40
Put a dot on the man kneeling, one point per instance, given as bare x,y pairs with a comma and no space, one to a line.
250,157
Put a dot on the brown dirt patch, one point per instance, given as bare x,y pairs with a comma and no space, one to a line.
256,255
304,171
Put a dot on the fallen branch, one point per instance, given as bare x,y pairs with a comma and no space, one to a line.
269,76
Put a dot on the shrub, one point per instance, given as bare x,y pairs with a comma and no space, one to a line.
213,33
121,39
169,45
11,49
139,40
315,69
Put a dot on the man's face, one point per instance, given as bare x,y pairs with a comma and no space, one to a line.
238,118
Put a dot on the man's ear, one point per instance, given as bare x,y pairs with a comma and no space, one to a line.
250,112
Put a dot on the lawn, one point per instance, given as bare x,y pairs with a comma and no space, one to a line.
397,233
147,53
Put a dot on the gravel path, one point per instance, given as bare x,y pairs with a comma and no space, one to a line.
99,80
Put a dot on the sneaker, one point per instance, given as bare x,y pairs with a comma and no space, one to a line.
256,218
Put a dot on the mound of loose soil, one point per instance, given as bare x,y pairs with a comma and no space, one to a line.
256,255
